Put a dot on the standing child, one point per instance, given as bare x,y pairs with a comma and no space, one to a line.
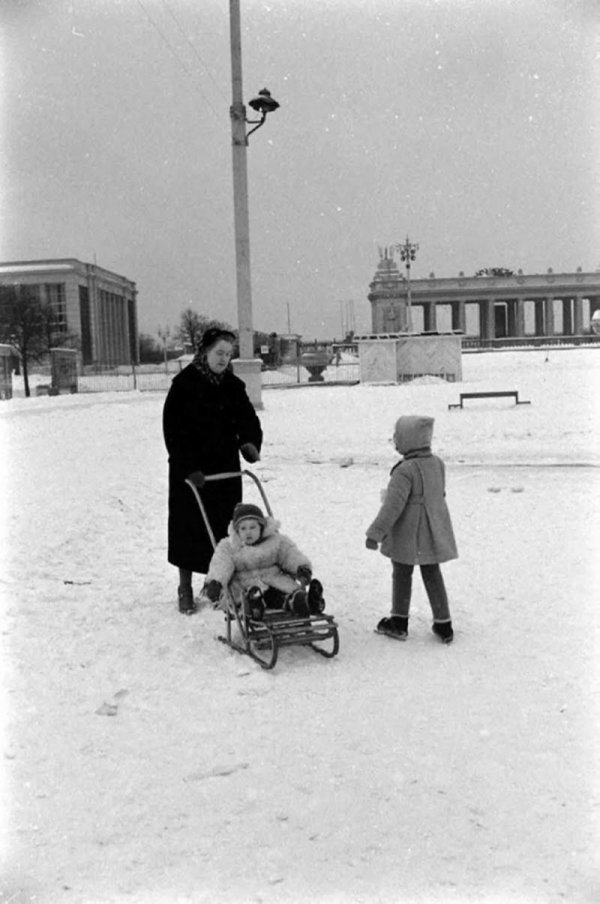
263,568
413,527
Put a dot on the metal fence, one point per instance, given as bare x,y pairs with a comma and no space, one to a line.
157,378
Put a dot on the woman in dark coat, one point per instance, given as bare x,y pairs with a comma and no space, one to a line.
208,420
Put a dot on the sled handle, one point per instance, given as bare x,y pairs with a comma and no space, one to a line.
227,475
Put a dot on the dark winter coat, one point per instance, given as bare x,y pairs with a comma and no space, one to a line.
204,426
413,524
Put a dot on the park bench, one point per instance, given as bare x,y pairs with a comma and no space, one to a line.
488,395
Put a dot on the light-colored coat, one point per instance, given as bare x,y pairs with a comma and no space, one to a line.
413,524
272,562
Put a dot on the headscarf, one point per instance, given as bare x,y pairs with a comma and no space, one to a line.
209,338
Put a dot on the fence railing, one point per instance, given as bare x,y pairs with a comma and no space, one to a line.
151,378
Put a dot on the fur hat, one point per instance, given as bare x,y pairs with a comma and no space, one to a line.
244,511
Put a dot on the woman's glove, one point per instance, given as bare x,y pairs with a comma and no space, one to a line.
304,574
371,544
213,590
250,452
197,478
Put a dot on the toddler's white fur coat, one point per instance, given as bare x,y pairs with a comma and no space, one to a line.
272,562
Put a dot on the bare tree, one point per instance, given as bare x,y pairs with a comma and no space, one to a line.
24,325
192,326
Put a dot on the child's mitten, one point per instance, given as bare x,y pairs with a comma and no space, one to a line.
213,590
304,574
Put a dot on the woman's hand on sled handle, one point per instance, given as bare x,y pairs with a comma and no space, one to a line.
250,452
197,478
371,544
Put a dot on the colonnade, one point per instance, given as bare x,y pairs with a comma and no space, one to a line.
499,318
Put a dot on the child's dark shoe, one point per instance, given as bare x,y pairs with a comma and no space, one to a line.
316,603
255,605
187,606
297,603
395,626
444,631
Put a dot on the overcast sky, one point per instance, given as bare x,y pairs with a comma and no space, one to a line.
470,125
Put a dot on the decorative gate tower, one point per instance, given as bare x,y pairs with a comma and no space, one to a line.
388,296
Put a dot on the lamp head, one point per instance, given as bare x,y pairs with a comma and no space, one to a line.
263,103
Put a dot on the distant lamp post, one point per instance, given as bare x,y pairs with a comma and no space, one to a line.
408,253
165,335
246,366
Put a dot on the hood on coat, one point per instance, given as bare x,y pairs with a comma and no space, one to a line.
271,527
413,431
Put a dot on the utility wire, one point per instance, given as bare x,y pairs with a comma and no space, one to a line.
176,55
194,50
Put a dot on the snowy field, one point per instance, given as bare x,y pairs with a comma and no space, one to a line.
145,762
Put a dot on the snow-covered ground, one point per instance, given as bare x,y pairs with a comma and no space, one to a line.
145,762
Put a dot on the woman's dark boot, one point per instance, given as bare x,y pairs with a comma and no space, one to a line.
185,594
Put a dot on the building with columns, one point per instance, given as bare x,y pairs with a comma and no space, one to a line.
91,303
487,307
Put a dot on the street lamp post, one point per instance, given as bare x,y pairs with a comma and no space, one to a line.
164,335
408,252
246,366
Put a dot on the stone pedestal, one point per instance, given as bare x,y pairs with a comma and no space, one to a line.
249,370
396,359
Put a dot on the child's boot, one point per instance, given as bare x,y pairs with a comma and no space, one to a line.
316,603
297,603
444,631
395,626
255,605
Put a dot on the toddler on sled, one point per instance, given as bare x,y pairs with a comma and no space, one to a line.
262,568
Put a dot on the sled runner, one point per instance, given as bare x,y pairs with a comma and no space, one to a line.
262,639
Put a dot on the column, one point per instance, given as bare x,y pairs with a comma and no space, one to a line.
567,309
578,315
539,320
519,317
429,317
548,305
459,317
486,319
511,318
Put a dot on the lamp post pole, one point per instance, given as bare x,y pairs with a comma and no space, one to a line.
246,366
408,252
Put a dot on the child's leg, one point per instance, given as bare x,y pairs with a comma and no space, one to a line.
397,624
438,600
274,598
436,592
401,589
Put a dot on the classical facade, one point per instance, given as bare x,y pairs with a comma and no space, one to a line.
95,305
490,307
